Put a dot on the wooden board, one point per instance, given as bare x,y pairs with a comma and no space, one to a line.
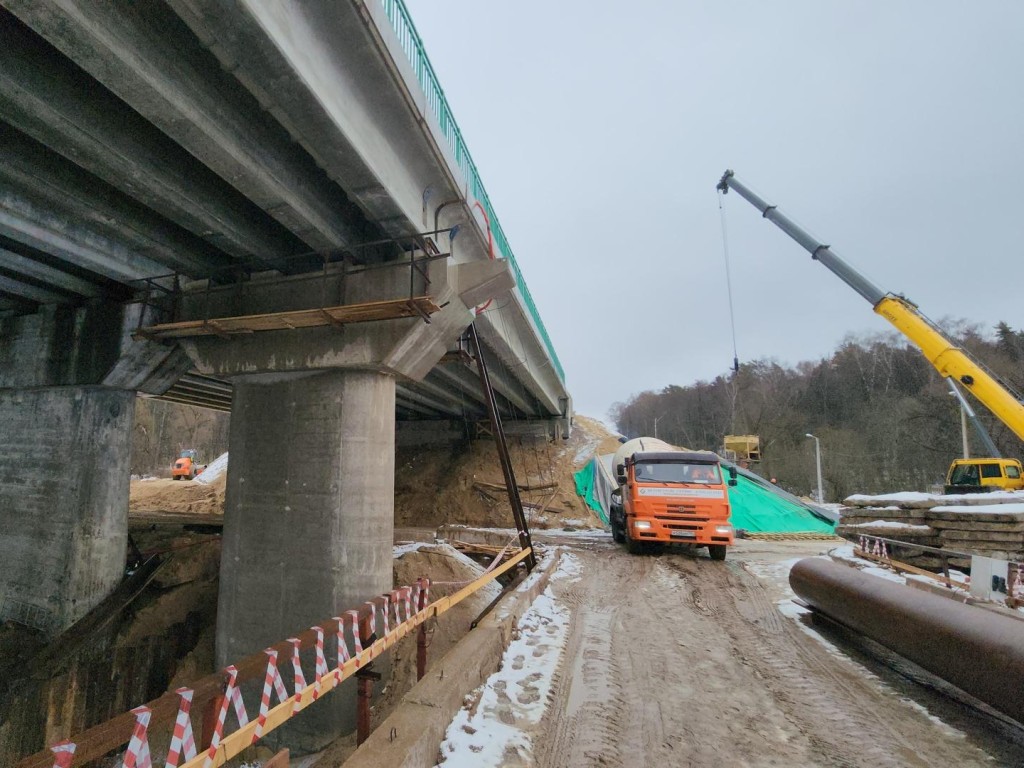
421,306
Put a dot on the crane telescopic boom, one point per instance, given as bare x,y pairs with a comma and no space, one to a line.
948,359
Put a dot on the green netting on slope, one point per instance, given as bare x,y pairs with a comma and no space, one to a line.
586,487
758,510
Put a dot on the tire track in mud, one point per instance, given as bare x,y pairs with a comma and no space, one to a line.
680,660
845,718
586,727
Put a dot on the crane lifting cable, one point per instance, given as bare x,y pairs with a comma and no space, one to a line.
728,284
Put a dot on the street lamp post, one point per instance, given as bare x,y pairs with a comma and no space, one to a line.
817,460
656,424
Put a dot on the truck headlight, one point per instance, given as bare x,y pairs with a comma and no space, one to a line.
642,525
723,529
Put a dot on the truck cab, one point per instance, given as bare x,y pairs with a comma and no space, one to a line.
672,497
984,475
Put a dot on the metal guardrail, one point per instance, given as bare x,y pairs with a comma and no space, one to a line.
168,720
411,43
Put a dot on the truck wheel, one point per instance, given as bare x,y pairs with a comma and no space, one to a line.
618,535
633,546
717,551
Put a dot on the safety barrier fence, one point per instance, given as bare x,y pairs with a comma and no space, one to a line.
226,727
888,551
412,45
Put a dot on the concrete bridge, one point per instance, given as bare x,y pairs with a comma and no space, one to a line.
246,204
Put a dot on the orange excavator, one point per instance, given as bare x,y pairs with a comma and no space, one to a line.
186,466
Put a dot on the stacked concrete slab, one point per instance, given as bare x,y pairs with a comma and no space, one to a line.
990,524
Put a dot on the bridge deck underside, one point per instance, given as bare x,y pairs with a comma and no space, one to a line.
133,145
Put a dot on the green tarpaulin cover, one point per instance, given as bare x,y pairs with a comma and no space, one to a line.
758,510
587,488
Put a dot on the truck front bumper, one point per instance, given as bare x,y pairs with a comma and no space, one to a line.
644,529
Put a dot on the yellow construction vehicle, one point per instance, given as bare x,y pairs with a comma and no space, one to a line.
742,448
952,362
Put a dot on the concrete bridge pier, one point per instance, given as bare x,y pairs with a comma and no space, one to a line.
68,378
309,511
64,469
309,517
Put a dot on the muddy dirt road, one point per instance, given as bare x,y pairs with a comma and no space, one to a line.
676,660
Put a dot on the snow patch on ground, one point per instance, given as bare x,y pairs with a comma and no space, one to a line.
587,450
213,470
583,533
492,727
997,498
568,567
983,509
890,524
404,547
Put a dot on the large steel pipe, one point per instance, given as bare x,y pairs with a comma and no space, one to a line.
976,650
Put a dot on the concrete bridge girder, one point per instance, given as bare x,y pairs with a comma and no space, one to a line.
89,205
143,53
317,68
51,277
46,97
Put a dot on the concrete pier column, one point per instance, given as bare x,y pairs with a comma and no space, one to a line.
64,474
309,516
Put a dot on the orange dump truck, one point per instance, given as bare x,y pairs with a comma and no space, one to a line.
186,466
670,496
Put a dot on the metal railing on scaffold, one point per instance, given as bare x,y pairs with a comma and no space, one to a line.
170,719
412,45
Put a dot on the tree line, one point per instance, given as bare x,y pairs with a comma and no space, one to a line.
161,430
885,418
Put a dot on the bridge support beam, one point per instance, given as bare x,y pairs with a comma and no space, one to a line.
309,517
64,469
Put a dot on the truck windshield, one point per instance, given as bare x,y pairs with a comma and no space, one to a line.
964,474
705,474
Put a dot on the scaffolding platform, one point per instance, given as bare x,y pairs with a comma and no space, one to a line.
225,327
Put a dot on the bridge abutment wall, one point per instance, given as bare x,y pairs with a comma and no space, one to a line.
64,472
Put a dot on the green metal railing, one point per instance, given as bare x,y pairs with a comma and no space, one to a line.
411,43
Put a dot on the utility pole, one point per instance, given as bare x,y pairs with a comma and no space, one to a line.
817,461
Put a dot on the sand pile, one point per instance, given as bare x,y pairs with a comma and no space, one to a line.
468,486
433,486
178,496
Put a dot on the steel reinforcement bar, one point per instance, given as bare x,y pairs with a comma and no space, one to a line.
219,694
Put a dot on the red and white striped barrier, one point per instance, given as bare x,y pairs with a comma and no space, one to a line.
271,682
300,679
343,655
183,747
137,755
386,600
321,661
357,642
62,753
371,618
232,696
182,742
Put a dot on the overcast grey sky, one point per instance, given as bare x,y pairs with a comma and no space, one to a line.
891,130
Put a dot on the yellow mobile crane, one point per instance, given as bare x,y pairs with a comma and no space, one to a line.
949,360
